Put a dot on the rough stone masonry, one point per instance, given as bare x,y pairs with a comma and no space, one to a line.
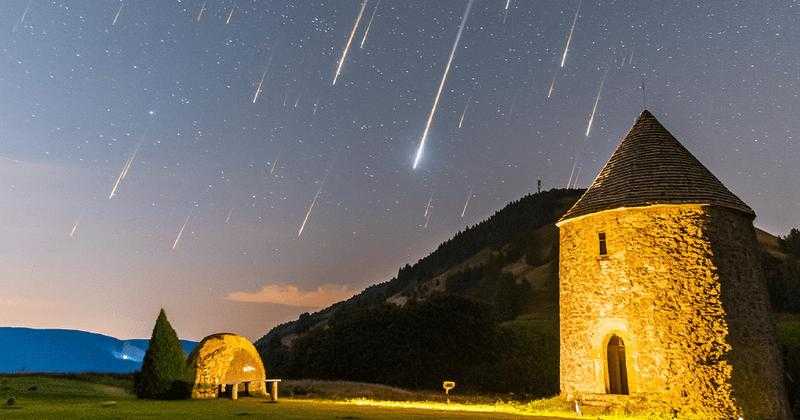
662,298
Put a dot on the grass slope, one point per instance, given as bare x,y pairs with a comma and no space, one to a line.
100,397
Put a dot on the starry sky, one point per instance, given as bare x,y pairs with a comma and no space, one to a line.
218,122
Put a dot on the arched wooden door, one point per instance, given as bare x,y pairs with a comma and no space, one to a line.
615,367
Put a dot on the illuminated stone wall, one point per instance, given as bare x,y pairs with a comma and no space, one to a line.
682,286
222,359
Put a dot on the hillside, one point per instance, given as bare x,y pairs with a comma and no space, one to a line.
501,273
488,299
70,351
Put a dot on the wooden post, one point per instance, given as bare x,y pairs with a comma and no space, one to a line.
274,391
235,392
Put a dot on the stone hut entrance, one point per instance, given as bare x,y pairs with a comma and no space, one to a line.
617,380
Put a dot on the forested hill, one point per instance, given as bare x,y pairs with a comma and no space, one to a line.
506,264
481,309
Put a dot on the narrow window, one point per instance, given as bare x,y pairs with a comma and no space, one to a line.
602,238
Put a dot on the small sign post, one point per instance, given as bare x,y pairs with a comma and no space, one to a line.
448,385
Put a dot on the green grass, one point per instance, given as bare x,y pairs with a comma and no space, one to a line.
789,332
46,397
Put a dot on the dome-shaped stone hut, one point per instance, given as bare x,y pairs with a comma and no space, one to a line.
226,363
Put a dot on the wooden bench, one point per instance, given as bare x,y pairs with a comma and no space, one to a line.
270,384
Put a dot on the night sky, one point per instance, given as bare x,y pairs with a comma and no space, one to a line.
166,90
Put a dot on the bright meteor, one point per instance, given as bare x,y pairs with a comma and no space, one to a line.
117,15
313,203
349,41
464,211
180,232
424,137
428,206
274,164
369,25
552,86
74,227
596,101
464,112
571,30
263,75
258,89
124,172
308,213
22,19
202,10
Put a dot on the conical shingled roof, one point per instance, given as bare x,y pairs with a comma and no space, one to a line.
651,167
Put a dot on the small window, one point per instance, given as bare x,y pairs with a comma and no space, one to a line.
602,238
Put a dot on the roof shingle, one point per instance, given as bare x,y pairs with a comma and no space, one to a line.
651,167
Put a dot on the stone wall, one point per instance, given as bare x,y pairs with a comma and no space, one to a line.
681,285
758,385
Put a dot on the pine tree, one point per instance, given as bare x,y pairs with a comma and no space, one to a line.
163,374
791,242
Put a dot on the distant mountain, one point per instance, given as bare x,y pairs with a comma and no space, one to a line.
70,351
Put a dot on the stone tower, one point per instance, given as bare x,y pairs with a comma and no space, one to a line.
662,296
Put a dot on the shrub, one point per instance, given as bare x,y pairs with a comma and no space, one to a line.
163,374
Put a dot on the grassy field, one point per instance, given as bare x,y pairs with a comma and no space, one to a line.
43,397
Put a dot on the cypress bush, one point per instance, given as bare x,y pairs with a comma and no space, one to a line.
164,372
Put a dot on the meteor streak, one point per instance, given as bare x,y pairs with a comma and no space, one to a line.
428,206
124,172
571,30
464,112
10,159
596,101
74,227
308,213
263,75
428,211
313,202
464,211
228,218
349,41
424,137
22,18
552,86
230,15
572,172
275,163
180,232
369,25
202,9
260,83
121,5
